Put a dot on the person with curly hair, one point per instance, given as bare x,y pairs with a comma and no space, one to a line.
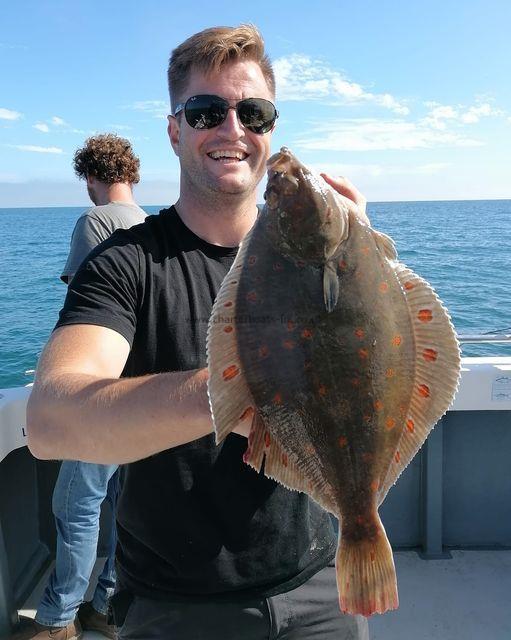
110,168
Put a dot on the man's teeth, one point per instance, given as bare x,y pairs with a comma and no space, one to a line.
237,155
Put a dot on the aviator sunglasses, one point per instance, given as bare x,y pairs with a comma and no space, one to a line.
206,111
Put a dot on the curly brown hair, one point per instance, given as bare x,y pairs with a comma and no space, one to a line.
109,158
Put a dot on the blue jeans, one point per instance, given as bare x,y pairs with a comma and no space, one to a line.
79,491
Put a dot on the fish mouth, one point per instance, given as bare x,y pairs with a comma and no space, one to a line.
281,161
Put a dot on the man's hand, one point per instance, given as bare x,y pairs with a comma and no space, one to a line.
350,195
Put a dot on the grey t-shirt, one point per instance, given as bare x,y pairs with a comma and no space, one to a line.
96,225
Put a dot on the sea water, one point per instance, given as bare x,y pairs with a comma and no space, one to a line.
463,248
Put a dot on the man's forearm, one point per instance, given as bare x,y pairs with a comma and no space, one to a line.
81,417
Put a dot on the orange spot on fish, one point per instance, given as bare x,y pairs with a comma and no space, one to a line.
290,325
288,344
384,287
252,296
367,418
355,382
396,341
424,390
249,411
397,457
359,333
307,334
263,351
389,373
410,425
378,405
374,485
252,260
277,266
390,423
363,353
425,315
365,250
343,441
343,265
430,355
277,398
228,329
409,285
284,459
267,439
228,304
230,373
402,410
322,390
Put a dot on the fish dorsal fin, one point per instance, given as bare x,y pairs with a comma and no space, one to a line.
229,397
437,357
385,244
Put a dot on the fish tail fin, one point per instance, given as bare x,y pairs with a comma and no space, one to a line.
366,577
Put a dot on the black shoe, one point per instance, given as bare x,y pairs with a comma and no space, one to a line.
91,620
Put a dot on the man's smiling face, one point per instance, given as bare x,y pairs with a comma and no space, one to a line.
228,159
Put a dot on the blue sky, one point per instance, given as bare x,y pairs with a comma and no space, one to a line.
409,102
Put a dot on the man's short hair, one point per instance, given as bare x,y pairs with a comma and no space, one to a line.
108,158
211,49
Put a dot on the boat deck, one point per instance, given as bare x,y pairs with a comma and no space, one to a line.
465,597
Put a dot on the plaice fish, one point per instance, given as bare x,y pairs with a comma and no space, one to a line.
344,358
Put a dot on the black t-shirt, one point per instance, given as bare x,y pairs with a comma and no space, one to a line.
193,521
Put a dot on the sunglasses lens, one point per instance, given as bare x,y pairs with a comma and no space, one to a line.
257,114
205,112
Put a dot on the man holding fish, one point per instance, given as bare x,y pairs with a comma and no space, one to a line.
208,547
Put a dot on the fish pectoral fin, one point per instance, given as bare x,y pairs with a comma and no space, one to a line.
229,396
330,286
385,244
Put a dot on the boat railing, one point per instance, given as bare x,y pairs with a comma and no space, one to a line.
468,338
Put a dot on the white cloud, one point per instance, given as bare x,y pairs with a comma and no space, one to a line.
41,126
8,45
372,134
10,178
35,148
157,108
8,114
358,171
301,78
59,122
461,114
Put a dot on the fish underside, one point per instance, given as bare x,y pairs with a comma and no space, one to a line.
344,358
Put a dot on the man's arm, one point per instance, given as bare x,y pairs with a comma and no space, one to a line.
79,409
